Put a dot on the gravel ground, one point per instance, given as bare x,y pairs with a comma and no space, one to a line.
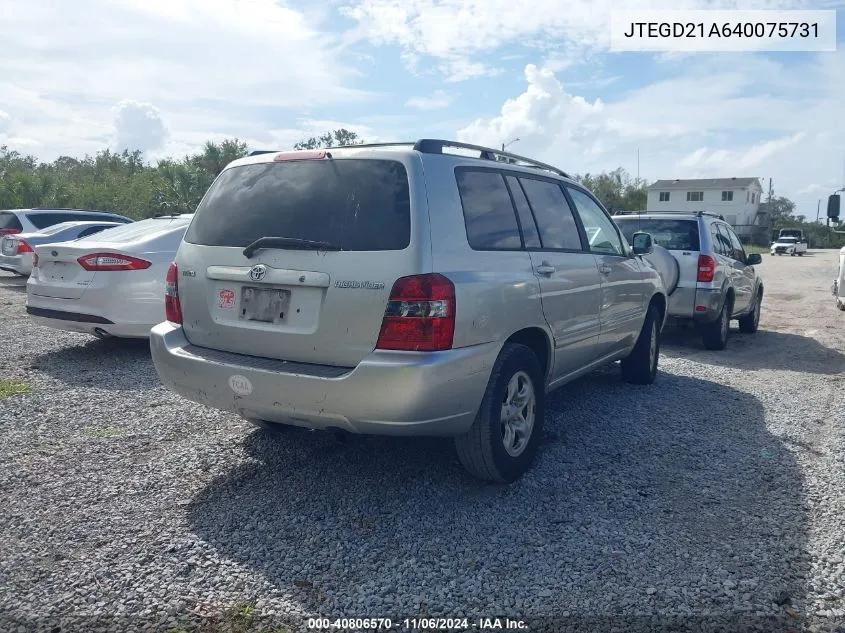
713,498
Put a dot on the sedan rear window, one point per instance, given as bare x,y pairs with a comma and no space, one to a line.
673,235
351,204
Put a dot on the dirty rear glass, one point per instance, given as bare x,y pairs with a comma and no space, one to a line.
352,204
673,235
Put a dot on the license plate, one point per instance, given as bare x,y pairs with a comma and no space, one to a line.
8,248
268,305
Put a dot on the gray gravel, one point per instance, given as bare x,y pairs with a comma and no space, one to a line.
714,497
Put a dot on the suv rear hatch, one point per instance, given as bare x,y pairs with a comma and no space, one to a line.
317,292
680,236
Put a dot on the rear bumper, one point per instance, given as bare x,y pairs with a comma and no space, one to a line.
701,305
97,313
388,393
18,264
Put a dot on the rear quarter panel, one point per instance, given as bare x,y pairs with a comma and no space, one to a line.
497,292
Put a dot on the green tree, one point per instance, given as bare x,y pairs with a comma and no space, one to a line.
333,138
616,190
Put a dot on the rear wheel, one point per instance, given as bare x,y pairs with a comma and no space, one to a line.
751,321
502,442
715,335
640,367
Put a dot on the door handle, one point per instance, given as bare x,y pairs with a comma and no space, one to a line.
605,269
545,269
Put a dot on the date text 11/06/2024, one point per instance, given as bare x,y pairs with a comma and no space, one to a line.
417,624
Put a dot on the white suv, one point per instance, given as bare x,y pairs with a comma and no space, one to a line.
401,289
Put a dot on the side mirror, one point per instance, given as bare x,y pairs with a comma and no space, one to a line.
754,259
643,244
833,207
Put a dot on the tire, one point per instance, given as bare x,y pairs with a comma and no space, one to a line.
640,367
749,323
482,450
715,335
800,254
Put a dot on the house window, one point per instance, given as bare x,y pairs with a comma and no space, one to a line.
748,196
727,196
664,196
753,198
695,196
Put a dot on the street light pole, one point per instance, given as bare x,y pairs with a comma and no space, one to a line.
511,142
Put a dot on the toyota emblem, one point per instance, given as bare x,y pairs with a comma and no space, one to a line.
257,273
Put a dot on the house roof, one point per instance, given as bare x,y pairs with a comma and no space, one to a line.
706,183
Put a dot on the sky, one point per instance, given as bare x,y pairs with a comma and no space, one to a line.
164,76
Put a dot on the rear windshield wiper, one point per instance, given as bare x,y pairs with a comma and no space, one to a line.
288,242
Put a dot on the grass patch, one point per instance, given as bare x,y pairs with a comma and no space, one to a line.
109,431
10,388
762,250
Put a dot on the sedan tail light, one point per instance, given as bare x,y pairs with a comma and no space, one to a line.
9,232
420,315
172,305
112,261
23,247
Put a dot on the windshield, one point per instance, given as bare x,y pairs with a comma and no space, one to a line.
673,235
787,240
353,204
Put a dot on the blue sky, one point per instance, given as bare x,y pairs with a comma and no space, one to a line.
166,75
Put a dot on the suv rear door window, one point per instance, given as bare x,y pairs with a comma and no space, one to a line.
721,244
351,204
555,221
673,235
488,211
738,252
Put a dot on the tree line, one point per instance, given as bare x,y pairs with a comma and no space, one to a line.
125,183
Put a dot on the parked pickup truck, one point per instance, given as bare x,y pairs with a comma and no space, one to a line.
789,245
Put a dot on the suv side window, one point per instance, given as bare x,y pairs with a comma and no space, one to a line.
602,233
489,215
719,241
555,220
738,250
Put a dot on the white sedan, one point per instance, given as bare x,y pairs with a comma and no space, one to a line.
108,284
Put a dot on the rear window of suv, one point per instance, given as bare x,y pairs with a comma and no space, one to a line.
673,235
351,204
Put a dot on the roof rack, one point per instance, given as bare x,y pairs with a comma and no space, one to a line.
695,213
258,152
435,146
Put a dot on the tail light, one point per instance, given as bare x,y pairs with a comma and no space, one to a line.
706,268
420,315
112,261
172,305
23,247
9,232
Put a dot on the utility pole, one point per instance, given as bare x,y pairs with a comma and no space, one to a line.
818,210
638,168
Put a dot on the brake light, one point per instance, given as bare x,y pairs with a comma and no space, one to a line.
172,305
23,247
420,315
306,154
112,262
9,232
706,268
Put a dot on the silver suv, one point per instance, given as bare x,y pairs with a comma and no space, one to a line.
404,289
717,281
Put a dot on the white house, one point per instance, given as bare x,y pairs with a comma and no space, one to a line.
736,199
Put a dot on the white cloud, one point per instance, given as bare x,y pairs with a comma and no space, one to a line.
459,30
138,126
5,122
434,102
723,161
72,61
744,115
